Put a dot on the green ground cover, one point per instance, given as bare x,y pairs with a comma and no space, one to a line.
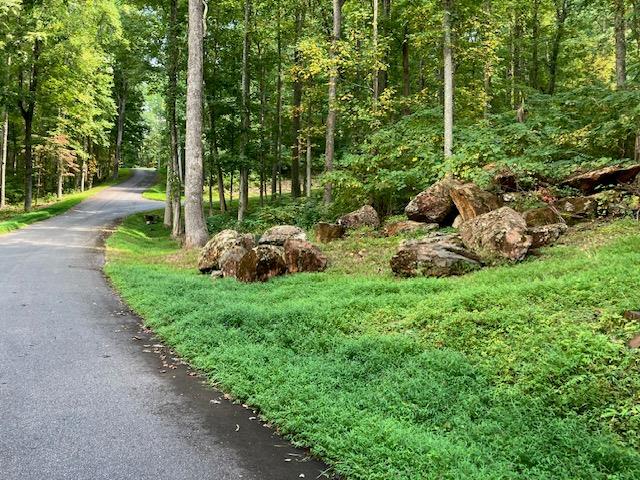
13,218
516,371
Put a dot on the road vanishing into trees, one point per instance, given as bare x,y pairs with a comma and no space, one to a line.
81,397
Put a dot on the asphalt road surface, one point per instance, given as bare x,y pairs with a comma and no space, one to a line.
85,392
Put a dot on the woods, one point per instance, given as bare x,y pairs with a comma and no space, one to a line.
290,97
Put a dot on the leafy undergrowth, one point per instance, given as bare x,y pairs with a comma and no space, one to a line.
517,371
14,218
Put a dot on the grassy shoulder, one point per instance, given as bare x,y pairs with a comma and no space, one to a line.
13,218
517,371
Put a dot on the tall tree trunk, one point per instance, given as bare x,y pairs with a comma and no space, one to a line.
246,119
216,159
196,234
121,105
263,113
448,79
376,70
621,43
3,157
295,121
534,80
27,115
406,78
562,11
333,85
275,168
384,27
308,163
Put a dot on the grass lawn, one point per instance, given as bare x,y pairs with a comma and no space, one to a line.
516,371
14,218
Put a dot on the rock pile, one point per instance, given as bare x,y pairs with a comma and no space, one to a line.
280,250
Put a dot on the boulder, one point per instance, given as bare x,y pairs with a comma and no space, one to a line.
471,201
281,233
544,235
215,274
457,222
230,260
436,255
261,263
499,233
434,205
303,256
209,257
576,209
327,232
363,217
408,226
590,181
538,217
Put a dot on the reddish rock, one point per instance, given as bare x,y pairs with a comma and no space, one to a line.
230,260
576,209
436,255
544,235
499,233
588,182
281,233
328,232
632,314
538,217
434,205
209,257
303,256
407,226
363,217
261,263
634,342
471,201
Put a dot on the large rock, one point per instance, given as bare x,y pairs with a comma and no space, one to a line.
209,257
538,217
328,232
281,233
471,201
434,256
434,205
590,181
576,209
230,260
499,233
303,256
261,263
363,217
544,235
408,226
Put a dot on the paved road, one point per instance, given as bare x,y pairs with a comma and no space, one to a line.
81,397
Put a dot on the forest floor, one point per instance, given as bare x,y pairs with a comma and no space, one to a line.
515,371
14,217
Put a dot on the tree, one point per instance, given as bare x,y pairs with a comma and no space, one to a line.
448,79
246,115
196,234
332,101
621,43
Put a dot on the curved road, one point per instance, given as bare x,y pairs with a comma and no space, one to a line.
84,393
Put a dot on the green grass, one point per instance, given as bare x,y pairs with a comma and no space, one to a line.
517,371
13,219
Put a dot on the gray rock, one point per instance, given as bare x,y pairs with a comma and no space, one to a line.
281,233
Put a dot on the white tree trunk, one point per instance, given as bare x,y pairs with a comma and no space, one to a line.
448,80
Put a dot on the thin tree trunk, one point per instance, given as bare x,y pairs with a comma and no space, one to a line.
534,81
562,11
295,121
406,78
308,164
376,70
216,158
122,105
244,140
263,113
3,158
275,169
60,179
333,84
27,115
448,80
621,43
196,234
